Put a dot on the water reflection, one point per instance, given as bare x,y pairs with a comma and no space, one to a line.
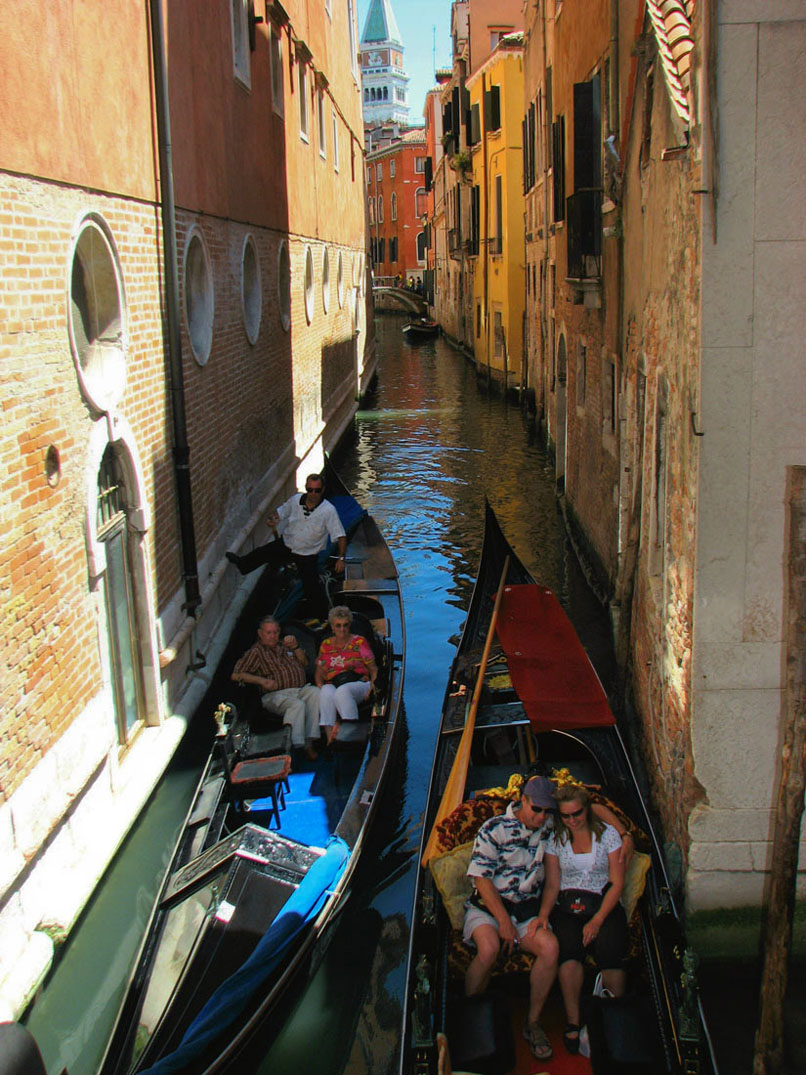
427,450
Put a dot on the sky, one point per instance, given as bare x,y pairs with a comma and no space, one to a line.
416,20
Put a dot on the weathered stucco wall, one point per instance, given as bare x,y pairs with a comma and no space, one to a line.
753,412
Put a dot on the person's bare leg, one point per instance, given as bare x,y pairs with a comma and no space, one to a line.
615,980
571,975
543,945
477,975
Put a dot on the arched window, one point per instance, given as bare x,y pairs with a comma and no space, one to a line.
380,209
251,289
420,201
386,93
394,206
421,247
284,284
309,285
366,95
199,295
97,316
120,592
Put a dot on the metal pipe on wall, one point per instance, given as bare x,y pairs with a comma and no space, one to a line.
181,451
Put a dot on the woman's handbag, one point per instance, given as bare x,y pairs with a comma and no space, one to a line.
579,903
346,677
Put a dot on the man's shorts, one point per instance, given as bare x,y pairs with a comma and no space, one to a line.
475,917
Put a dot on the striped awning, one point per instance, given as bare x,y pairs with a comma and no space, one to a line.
671,21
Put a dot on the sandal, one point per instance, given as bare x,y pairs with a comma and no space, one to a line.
571,1038
538,1042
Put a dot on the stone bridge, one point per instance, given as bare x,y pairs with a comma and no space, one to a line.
408,300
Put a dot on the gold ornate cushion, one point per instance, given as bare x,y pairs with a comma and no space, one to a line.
634,882
450,877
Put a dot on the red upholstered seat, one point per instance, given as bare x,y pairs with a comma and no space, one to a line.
259,769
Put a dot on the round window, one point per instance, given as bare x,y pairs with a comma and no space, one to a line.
326,280
97,315
199,299
284,284
251,290
308,284
340,280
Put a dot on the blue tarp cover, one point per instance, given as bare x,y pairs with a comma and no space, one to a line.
232,996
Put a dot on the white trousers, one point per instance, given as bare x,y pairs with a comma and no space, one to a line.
299,708
342,700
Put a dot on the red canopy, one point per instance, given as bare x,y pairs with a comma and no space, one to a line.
550,670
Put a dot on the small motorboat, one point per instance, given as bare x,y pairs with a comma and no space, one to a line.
421,328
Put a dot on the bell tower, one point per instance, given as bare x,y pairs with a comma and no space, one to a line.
383,77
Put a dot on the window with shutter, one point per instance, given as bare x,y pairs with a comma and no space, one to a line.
492,108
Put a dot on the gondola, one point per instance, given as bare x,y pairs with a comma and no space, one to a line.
523,698
421,329
265,857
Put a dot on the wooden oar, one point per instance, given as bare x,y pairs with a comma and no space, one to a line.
452,795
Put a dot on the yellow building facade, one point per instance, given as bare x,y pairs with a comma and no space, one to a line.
496,232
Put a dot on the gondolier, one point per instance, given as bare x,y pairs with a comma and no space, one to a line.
303,525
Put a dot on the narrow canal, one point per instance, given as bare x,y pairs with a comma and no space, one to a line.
426,451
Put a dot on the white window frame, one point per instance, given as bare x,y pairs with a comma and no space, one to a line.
241,58
277,78
320,110
380,208
351,34
379,170
335,141
393,205
302,89
392,169
419,164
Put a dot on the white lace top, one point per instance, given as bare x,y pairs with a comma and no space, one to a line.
589,871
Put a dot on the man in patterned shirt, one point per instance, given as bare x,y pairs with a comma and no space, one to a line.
506,868
278,668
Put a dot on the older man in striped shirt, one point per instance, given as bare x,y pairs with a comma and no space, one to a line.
278,668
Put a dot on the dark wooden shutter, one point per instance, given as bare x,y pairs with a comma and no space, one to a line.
588,135
558,166
475,125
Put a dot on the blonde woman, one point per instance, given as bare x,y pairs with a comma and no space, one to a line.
584,869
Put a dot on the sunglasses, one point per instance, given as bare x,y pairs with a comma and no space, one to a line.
573,813
314,489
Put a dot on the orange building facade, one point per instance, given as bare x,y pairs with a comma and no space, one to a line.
146,433
397,206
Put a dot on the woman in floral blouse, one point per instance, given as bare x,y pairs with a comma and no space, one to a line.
345,671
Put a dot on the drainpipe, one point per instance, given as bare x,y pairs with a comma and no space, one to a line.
181,453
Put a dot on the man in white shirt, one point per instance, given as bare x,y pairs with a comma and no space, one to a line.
304,525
